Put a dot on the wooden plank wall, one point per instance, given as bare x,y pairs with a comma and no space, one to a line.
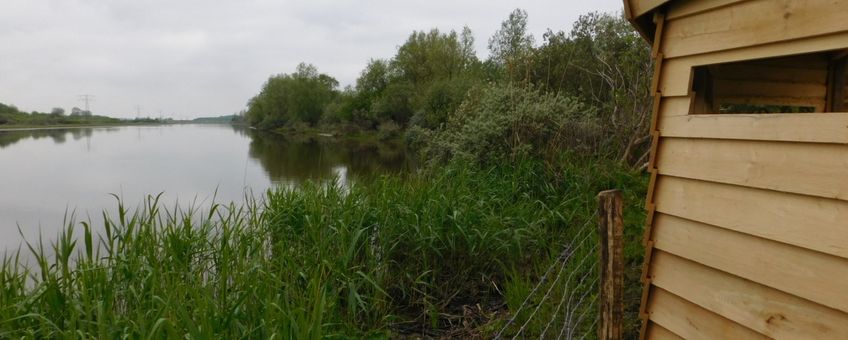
747,230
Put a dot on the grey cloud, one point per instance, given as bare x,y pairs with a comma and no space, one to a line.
206,57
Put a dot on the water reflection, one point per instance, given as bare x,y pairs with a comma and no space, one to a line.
287,161
59,136
47,173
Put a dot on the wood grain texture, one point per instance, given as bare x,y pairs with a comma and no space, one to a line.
674,106
683,8
752,23
693,322
657,332
802,168
641,7
817,277
808,127
676,73
611,262
763,309
809,222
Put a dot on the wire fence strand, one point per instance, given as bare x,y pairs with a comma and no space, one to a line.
568,301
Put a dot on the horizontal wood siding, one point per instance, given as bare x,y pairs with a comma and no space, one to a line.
641,7
748,213
802,168
809,222
690,321
675,78
790,127
751,23
808,274
763,309
657,332
683,8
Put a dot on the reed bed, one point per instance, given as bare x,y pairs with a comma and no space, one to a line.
444,252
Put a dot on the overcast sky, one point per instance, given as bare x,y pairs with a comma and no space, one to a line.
190,58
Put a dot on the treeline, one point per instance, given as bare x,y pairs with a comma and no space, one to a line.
11,115
584,90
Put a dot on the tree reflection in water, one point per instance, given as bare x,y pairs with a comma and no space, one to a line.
288,161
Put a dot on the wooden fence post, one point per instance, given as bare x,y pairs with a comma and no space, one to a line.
611,229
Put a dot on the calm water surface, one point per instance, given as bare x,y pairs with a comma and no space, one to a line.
46,173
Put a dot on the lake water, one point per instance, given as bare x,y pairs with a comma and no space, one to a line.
47,174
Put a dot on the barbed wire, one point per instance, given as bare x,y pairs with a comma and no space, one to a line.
563,261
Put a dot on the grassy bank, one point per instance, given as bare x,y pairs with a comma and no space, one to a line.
386,257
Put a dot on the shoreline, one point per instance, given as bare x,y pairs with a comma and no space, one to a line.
57,127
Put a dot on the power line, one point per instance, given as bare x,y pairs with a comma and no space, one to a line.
86,98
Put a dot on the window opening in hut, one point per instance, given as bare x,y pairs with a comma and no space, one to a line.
796,84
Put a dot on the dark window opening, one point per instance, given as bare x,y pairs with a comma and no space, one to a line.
796,84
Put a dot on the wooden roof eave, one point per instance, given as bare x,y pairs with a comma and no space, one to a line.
638,12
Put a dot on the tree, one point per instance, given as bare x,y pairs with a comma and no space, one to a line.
511,45
300,96
75,112
606,64
467,51
57,111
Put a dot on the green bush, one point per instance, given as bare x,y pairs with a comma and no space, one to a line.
508,122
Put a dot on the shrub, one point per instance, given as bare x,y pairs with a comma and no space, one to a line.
508,122
388,130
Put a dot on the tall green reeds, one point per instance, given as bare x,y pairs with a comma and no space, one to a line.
388,256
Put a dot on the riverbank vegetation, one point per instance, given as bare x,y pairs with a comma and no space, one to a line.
600,65
11,116
515,149
393,256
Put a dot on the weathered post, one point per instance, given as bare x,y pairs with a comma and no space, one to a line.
611,229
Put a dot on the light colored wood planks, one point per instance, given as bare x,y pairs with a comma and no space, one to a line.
641,7
807,127
817,277
657,332
809,222
753,23
802,168
822,43
683,8
675,106
763,309
676,75
691,321
675,79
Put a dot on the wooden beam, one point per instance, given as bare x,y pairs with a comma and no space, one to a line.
611,231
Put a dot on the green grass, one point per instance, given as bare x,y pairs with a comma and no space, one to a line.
388,256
